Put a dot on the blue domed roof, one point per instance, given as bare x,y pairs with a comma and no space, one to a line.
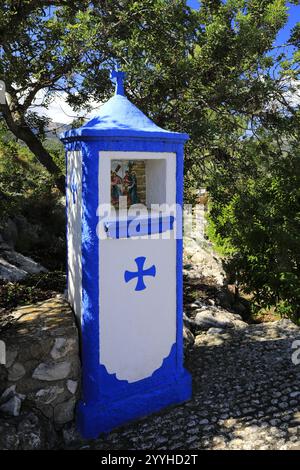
119,117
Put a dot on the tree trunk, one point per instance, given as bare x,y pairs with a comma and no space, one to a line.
22,131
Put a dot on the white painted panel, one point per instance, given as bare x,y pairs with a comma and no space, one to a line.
137,328
74,200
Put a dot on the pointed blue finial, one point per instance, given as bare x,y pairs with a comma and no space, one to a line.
117,77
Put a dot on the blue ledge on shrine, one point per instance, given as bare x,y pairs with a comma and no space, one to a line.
139,226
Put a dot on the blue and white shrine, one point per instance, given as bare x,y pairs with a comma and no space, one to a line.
124,174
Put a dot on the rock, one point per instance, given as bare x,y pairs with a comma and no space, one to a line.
209,265
285,324
29,235
64,412
11,401
35,332
72,386
215,331
8,393
12,407
48,395
9,272
36,432
217,318
71,435
9,439
188,338
61,347
52,371
187,321
10,233
14,266
190,246
206,319
11,355
30,433
16,372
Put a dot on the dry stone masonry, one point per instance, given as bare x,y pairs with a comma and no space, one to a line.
42,370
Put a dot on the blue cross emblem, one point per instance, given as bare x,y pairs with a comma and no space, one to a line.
140,273
73,186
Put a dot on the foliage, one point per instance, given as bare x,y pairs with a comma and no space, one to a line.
213,73
255,219
20,175
207,72
28,194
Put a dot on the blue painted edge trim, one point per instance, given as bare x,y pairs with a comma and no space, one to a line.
87,133
113,388
93,419
138,226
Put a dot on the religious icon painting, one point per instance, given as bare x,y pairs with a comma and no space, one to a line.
128,179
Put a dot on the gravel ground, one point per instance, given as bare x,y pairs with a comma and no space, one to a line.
246,395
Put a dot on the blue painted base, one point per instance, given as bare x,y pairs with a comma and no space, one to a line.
94,419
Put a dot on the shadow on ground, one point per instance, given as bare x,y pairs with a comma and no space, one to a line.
246,395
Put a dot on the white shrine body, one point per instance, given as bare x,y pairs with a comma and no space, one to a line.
125,264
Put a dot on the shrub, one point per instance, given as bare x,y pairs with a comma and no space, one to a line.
255,219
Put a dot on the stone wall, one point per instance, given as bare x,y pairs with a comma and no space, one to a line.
42,370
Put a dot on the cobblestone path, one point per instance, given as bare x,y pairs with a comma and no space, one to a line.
246,395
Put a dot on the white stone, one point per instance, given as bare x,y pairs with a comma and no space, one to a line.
12,407
64,412
61,347
49,372
16,372
14,266
190,246
205,262
9,392
72,386
208,317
